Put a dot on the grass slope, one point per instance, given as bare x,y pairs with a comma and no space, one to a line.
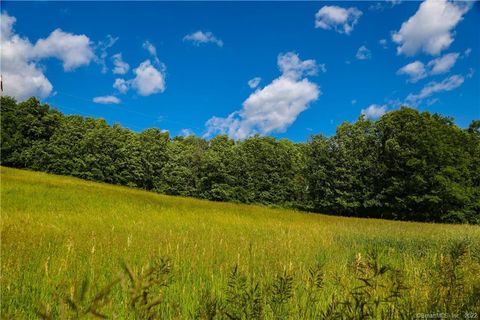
57,231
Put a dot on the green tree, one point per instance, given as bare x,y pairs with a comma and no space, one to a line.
23,125
425,161
217,176
181,173
153,157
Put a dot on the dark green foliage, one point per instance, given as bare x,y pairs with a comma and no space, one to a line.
210,307
269,171
408,165
426,167
181,171
217,170
153,156
344,170
243,297
24,125
281,294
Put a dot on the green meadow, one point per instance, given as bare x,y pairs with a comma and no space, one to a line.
72,248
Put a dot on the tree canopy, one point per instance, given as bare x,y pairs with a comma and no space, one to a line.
408,165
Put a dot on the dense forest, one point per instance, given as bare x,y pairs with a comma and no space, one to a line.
408,165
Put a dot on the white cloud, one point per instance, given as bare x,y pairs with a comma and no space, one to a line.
199,37
443,64
121,85
7,23
374,111
292,67
337,18
276,106
148,79
384,5
363,53
430,29
253,83
415,70
22,74
120,66
147,45
106,100
73,50
447,84
103,46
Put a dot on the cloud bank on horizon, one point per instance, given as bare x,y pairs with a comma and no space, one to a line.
421,45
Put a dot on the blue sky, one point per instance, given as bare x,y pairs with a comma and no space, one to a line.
189,64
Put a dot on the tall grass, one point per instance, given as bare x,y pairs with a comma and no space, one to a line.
72,248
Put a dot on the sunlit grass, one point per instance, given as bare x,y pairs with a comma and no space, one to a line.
56,231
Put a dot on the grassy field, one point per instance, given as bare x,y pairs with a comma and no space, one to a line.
219,259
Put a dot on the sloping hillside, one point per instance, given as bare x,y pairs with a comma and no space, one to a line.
57,231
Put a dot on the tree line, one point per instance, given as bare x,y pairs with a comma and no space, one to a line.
407,165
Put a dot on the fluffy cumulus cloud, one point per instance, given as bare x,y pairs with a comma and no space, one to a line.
148,79
292,67
200,37
121,85
149,76
443,64
430,29
73,50
106,100
417,70
120,66
447,84
253,83
342,20
374,111
363,53
22,75
274,107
